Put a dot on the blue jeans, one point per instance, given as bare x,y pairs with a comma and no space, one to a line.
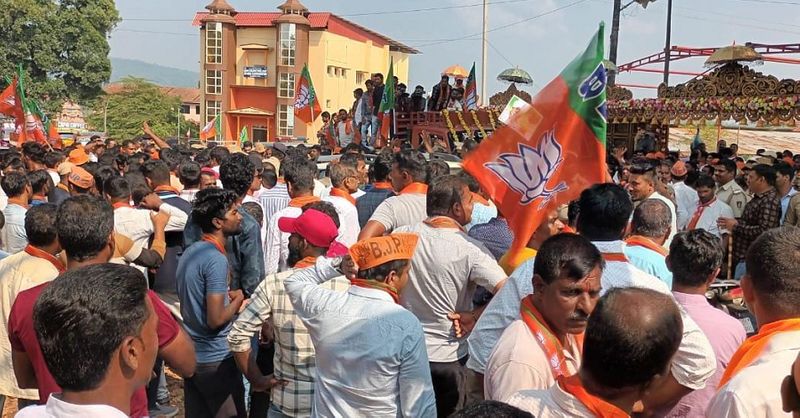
376,128
366,132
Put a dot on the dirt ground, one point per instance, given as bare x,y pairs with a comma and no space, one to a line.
174,383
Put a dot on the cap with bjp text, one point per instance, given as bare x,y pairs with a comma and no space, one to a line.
81,178
373,252
317,228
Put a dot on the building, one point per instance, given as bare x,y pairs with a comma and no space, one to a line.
250,61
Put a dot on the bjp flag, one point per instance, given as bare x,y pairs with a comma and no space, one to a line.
548,153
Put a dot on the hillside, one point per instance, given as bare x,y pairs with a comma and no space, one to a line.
165,76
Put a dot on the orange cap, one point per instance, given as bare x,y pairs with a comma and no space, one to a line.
373,252
679,169
78,156
81,178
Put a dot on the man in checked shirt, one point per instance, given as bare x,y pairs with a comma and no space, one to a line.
761,213
317,229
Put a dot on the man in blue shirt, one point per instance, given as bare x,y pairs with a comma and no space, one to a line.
649,231
245,251
208,307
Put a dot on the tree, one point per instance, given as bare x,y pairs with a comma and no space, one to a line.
62,46
138,101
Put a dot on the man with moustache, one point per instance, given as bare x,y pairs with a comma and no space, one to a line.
545,342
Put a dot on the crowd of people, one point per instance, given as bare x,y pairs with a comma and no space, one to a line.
391,291
361,123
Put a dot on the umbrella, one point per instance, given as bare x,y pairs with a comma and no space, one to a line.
456,71
515,75
734,53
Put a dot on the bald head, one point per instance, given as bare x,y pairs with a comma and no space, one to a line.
652,219
631,337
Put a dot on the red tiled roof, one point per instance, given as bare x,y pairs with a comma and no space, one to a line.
319,20
186,94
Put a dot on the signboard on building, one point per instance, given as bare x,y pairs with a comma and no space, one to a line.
256,71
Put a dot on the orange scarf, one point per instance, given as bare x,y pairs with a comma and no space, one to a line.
597,406
382,185
752,347
697,214
343,194
44,255
212,239
299,202
415,188
640,241
372,284
480,199
552,348
443,222
167,189
121,205
619,257
306,262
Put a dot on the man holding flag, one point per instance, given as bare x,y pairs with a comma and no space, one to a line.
386,110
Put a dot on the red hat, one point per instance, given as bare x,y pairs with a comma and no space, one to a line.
210,171
317,228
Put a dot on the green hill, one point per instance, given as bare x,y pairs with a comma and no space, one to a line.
161,75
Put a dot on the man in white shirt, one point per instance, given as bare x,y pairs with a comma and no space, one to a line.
35,265
299,175
446,268
751,385
545,343
604,212
709,208
728,191
18,189
642,186
136,223
344,181
408,176
98,376
631,337
685,196
371,357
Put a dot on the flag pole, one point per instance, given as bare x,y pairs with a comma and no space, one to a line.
484,61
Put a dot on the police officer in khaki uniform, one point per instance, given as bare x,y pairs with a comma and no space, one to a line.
728,191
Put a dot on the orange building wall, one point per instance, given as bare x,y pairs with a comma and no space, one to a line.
260,98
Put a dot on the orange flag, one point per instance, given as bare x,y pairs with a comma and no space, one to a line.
551,151
306,102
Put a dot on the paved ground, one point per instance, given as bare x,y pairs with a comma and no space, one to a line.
749,141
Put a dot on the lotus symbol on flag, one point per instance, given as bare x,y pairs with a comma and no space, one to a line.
302,99
529,171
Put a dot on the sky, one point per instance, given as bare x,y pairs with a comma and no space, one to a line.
539,36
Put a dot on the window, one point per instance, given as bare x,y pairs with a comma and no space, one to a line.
285,120
259,134
286,86
361,78
331,71
213,81
214,43
197,110
185,109
287,43
212,109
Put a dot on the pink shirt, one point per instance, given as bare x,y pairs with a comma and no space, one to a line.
725,333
